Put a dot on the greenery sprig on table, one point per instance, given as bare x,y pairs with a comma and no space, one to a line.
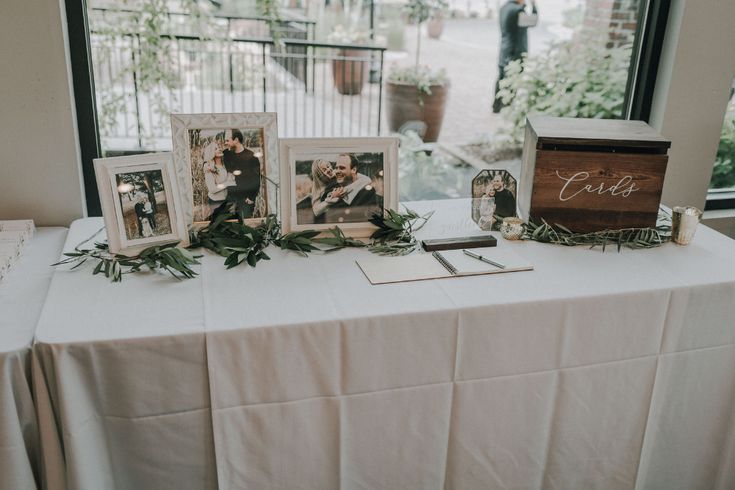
395,233
175,260
239,243
634,238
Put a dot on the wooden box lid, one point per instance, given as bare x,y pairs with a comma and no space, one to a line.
567,132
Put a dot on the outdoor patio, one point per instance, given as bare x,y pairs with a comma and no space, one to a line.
297,82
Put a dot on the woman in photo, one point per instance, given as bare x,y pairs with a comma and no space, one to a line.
324,190
487,208
216,177
148,212
146,223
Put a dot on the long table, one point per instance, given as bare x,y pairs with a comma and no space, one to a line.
595,370
22,294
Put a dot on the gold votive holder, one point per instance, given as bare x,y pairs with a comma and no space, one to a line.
512,228
684,221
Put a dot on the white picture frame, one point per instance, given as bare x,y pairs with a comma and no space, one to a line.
141,202
189,160
298,155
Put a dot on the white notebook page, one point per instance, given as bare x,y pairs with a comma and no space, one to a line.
417,267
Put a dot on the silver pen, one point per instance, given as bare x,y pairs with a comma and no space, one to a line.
484,259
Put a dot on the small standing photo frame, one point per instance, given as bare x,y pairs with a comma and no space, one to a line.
494,197
223,158
141,202
328,182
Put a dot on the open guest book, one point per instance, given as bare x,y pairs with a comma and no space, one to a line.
438,265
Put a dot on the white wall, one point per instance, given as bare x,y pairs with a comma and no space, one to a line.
693,86
40,175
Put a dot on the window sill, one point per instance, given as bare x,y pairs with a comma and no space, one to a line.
720,200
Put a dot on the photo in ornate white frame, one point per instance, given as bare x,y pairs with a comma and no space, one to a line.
141,202
359,176
195,135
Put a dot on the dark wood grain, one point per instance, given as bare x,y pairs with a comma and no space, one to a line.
594,191
592,174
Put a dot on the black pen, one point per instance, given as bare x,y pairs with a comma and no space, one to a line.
480,257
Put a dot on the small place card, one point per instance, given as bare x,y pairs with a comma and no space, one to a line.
5,261
24,225
13,236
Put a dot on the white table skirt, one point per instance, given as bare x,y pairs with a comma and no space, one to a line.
22,294
595,370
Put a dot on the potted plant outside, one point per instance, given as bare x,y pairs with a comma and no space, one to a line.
417,93
435,24
350,67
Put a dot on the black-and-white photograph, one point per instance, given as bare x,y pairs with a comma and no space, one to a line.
227,166
339,188
143,203
493,196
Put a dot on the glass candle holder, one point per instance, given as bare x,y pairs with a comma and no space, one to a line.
684,221
512,228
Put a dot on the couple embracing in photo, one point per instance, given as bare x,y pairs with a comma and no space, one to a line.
341,194
232,174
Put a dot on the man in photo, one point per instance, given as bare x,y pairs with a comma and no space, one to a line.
505,202
245,167
139,215
356,199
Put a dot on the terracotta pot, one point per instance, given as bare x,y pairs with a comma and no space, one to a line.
350,75
404,105
435,27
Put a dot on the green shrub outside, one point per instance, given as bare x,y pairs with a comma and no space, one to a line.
569,79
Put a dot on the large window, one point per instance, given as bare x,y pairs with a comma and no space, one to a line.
722,185
325,67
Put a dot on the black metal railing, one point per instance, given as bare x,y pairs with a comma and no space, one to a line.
317,89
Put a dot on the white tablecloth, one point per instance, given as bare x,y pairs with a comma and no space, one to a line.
595,370
22,294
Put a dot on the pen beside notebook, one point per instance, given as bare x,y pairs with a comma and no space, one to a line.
444,264
484,259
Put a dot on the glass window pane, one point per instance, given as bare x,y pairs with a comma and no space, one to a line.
723,174
567,58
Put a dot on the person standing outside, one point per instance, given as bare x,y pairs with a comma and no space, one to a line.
514,24
245,167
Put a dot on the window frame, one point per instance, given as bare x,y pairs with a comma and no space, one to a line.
642,73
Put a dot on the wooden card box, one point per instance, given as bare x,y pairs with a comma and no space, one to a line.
592,174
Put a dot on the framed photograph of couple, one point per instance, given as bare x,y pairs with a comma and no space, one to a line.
226,158
141,202
329,182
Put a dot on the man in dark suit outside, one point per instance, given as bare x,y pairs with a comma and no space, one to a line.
245,166
513,39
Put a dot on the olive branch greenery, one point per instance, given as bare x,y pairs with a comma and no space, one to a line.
228,236
395,233
175,260
633,238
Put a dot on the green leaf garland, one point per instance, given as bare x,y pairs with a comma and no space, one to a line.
228,236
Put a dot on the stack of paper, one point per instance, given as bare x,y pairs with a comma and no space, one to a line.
13,236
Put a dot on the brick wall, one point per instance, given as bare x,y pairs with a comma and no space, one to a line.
619,18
